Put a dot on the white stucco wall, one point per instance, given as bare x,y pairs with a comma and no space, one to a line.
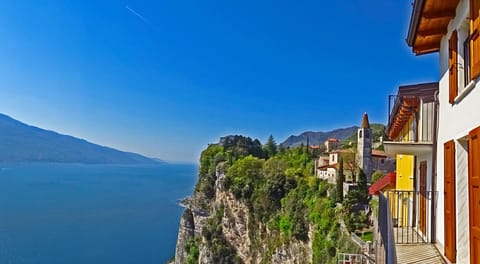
455,121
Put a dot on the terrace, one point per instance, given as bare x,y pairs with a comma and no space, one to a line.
403,235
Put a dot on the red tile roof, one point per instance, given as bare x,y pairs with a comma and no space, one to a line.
365,123
333,140
378,153
343,151
388,180
335,166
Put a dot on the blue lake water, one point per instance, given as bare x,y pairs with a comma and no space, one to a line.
64,213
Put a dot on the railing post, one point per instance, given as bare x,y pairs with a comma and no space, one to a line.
386,230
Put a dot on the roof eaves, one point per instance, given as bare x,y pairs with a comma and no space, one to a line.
414,21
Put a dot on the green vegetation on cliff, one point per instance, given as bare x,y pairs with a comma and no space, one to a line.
285,201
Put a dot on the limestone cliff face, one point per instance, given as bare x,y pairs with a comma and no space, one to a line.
237,231
296,252
185,233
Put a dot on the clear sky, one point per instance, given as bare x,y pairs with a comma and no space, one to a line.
165,78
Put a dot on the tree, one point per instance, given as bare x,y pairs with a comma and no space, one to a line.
274,166
271,146
362,187
340,180
281,149
242,176
308,145
377,175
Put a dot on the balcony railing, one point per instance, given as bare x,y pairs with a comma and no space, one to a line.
345,258
410,215
404,218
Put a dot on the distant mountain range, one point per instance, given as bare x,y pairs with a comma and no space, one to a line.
344,134
20,142
316,138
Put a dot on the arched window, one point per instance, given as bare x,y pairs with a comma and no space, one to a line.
360,134
367,134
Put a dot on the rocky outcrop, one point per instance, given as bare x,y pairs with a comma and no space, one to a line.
295,252
236,229
185,233
234,221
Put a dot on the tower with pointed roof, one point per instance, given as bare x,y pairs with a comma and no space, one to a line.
364,147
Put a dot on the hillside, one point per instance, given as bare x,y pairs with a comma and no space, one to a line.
248,207
348,134
316,138
23,143
378,130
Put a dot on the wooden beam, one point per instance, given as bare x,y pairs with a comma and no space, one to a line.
439,14
432,31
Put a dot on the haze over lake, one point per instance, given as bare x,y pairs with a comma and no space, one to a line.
73,213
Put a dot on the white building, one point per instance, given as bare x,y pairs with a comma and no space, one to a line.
452,28
331,144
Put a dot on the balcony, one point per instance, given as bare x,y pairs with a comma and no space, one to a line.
407,148
411,120
404,224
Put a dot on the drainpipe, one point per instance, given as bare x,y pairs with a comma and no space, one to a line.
434,167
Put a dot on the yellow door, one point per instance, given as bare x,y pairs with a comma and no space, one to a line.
405,176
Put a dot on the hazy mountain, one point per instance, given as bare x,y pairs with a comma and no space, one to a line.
316,138
20,142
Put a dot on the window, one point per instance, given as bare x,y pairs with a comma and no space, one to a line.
453,66
382,161
360,134
367,134
459,60
464,38
466,61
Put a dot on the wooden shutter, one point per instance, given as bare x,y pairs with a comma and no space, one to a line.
474,193
475,39
449,202
453,66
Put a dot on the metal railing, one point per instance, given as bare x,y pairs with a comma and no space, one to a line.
410,215
387,242
347,258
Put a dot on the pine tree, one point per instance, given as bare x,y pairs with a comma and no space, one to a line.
362,187
340,180
271,146
308,144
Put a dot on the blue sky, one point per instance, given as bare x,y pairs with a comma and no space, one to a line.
165,78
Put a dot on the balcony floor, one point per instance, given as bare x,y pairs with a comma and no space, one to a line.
418,253
407,236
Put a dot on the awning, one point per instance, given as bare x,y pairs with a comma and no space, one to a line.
388,180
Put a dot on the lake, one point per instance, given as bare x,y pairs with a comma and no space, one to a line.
73,213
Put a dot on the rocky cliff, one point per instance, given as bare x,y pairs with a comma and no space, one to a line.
236,229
